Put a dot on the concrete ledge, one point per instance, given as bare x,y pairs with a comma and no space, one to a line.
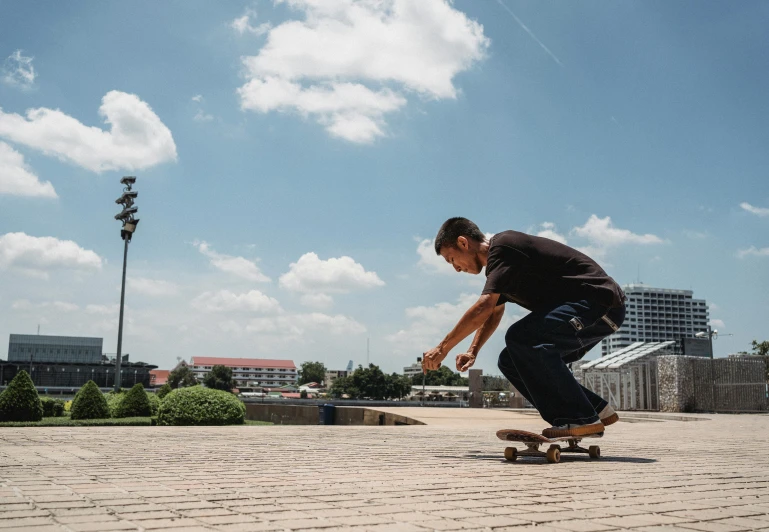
632,415
309,415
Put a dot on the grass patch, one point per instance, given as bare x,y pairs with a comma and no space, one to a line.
67,422
251,422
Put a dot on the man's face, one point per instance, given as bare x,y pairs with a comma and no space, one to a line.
464,257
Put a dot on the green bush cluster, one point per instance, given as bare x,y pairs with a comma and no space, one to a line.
20,402
201,406
154,403
135,403
113,400
89,403
163,391
52,407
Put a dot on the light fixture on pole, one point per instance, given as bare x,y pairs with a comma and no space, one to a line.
129,227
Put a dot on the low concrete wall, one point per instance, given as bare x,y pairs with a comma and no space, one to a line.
309,415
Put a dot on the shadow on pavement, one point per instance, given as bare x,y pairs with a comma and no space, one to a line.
528,460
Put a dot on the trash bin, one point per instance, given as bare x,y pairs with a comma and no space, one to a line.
326,414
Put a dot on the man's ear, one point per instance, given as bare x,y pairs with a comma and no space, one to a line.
462,243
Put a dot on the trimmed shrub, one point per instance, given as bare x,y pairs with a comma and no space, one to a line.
114,399
89,403
163,391
154,402
201,406
52,407
135,403
20,402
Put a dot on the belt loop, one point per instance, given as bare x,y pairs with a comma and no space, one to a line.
576,323
609,322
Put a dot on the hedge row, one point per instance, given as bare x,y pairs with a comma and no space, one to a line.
195,405
67,422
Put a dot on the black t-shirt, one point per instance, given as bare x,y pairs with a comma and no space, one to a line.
538,273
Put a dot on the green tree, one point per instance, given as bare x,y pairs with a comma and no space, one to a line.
182,377
371,382
219,378
344,386
398,386
20,402
312,372
762,349
440,377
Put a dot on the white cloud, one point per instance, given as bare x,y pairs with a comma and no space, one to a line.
197,98
549,230
243,24
151,287
37,256
107,310
318,301
238,266
695,235
429,260
18,71
202,116
24,304
298,325
16,179
137,139
753,251
758,211
311,275
601,232
335,63
717,323
226,301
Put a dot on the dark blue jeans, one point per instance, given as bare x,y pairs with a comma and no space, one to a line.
539,346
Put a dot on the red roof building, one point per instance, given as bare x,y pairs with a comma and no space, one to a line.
249,374
158,377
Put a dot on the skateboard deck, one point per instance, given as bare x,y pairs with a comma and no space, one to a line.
533,441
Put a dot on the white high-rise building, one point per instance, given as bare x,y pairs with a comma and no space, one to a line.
657,315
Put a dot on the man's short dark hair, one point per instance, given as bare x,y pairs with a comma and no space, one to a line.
452,229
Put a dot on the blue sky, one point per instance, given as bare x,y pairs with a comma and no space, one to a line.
293,159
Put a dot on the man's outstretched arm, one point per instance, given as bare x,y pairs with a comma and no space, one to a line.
470,322
466,360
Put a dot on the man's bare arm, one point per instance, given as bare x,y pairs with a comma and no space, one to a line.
486,330
471,321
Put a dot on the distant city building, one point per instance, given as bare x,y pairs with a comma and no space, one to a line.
249,374
413,369
333,374
62,364
658,315
40,348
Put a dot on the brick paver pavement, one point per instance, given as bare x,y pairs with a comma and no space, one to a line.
709,475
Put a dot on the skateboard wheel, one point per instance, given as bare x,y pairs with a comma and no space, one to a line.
554,455
511,453
594,451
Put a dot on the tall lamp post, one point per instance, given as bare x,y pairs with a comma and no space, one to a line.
126,216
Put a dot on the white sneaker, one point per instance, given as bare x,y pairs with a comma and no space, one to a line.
608,416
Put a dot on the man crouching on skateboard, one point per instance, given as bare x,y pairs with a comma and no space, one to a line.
574,304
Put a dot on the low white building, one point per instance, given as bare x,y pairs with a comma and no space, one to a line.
249,374
413,369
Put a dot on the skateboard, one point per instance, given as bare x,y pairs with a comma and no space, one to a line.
533,441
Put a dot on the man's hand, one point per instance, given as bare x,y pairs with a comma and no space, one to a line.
465,361
432,359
